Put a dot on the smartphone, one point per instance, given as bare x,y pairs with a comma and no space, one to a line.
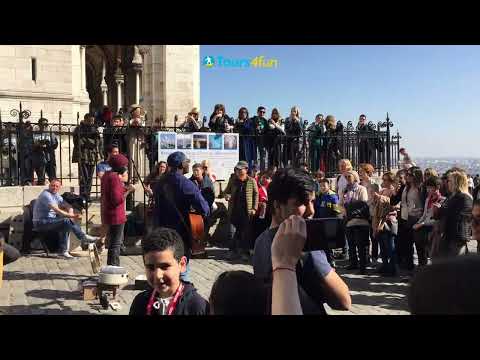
325,234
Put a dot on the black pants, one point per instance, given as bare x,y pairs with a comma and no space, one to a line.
292,152
420,239
51,169
242,239
85,172
41,168
115,238
357,237
26,171
375,246
262,153
408,242
400,241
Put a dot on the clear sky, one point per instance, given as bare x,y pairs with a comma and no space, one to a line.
430,92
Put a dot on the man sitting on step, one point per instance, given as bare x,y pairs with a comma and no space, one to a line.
52,213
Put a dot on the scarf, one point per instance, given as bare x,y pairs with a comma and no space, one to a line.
349,193
432,199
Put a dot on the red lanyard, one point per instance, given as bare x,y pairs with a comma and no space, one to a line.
171,306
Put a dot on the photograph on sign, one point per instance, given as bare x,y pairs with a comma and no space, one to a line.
167,141
230,142
184,141
215,142
200,142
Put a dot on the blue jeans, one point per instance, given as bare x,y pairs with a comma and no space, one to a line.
185,276
387,250
64,226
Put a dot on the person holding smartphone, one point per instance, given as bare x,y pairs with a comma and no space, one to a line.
292,192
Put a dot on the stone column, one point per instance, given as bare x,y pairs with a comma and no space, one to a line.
83,65
119,79
137,67
104,85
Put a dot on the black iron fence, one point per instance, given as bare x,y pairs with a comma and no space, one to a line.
31,152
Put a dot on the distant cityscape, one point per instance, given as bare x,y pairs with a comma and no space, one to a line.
471,165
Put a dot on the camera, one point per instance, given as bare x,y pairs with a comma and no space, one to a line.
325,234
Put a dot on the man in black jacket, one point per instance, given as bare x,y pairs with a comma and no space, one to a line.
164,259
116,135
87,150
366,144
43,156
261,127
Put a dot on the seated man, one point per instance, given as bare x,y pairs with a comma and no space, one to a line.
52,213
292,192
164,259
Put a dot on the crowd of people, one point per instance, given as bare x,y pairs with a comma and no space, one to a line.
265,141
267,211
268,204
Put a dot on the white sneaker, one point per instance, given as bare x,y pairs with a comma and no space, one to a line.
66,255
91,239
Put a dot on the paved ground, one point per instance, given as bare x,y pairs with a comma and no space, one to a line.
40,285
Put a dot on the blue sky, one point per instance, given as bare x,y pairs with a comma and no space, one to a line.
432,93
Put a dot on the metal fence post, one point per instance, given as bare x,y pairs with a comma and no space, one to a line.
389,161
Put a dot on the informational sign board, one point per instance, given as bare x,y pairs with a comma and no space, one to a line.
221,150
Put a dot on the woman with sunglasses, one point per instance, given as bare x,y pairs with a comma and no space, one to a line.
455,215
191,123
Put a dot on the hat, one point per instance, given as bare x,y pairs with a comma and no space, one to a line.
194,111
241,165
176,159
118,161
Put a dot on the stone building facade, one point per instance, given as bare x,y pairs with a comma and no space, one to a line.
164,79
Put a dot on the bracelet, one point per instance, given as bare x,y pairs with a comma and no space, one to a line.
283,268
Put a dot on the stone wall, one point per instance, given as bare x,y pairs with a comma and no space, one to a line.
57,85
171,81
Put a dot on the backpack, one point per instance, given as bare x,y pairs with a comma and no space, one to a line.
357,209
76,201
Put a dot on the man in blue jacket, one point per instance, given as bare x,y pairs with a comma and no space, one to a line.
174,196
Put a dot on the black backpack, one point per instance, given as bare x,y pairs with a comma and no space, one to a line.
76,201
357,209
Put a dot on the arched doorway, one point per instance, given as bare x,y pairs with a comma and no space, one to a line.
102,63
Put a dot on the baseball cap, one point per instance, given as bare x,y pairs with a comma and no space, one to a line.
241,165
176,159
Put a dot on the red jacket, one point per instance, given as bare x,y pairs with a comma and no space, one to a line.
113,202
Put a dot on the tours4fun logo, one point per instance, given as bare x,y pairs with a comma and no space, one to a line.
258,62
